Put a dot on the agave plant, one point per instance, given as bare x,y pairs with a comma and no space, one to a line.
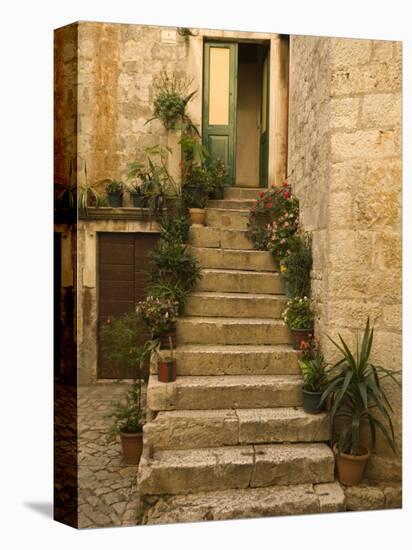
356,392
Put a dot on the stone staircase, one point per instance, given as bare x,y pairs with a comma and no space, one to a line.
229,438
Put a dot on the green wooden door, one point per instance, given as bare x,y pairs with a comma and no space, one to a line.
219,103
264,125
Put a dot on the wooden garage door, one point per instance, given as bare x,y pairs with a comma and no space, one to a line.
122,260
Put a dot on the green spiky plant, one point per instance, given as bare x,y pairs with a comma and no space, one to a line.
87,194
314,373
356,393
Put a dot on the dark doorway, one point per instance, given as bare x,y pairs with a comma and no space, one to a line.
122,262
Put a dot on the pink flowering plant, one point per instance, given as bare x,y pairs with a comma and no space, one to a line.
274,221
159,314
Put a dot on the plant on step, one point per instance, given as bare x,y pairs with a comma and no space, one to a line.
358,401
298,313
159,314
217,176
171,97
299,317
173,262
274,221
314,381
295,268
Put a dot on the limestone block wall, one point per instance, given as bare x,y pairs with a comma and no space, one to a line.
344,163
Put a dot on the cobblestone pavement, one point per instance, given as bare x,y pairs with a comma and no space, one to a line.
107,486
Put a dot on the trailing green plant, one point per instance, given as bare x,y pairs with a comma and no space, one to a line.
174,229
170,99
128,414
296,266
159,314
88,195
113,186
274,221
314,373
298,313
356,393
173,262
118,340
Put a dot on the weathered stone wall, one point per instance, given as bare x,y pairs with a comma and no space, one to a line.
345,166
65,100
117,64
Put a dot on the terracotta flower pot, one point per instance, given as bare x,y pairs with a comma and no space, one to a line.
132,444
167,370
311,401
350,467
299,335
197,216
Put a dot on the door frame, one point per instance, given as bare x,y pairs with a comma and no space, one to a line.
221,129
227,42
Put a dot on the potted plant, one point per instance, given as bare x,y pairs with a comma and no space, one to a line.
217,176
195,192
314,381
167,366
173,262
299,317
274,221
355,393
139,178
170,99
160,315
114,190
128,423
296,266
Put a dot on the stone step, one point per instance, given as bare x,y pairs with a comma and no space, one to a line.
229,330
196,429
242,192
229,304
223,392
248,503
227,219
203,360
231,280
247,260
240,467
232,204
215,237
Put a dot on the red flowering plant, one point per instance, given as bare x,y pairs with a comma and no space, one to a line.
274,221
